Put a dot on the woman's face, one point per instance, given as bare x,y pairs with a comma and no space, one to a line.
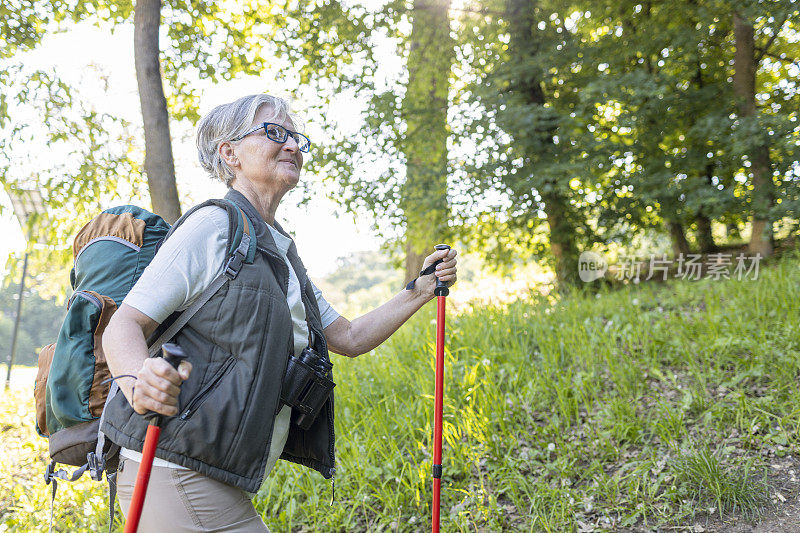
266,162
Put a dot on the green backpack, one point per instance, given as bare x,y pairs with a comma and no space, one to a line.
74,384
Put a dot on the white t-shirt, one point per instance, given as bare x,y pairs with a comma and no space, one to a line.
185,265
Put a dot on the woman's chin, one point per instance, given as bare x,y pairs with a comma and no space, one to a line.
292,179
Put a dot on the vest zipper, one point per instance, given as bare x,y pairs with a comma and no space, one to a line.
281,265
280,405
332,438
329,412
195,403
332,435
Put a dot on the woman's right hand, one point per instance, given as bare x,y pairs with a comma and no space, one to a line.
158,386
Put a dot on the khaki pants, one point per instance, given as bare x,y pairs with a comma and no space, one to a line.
182,500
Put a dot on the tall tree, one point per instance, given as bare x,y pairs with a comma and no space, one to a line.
527,133
538,142
204,40
650,81
424,111
158,161
665,73
392,160
744,82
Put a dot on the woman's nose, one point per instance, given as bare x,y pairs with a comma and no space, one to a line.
291,145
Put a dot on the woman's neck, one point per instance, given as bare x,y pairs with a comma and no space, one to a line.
265,201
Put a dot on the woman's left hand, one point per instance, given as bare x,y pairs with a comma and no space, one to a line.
445,271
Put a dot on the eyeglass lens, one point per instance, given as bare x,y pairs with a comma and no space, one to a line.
280,134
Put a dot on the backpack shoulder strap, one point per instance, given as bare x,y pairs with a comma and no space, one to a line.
239,224
244,226
241,249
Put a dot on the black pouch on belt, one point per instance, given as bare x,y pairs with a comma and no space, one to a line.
306,386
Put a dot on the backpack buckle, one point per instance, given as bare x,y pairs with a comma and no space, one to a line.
48,473
96,465
234,265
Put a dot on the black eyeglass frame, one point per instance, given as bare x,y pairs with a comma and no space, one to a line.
296,135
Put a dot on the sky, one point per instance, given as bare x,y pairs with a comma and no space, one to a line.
84,53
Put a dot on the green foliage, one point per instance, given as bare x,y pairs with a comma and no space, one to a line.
39,324
551,128
93,158
393,162
25,499
53,139
362,281
651,407
624,110
424,142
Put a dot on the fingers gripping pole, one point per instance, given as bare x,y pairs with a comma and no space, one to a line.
173,355
441,292
441,286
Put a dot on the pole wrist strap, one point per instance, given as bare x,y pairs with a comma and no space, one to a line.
430,270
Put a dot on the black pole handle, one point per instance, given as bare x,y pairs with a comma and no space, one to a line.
173,354
441,286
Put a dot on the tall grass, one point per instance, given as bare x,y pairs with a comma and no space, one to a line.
644,407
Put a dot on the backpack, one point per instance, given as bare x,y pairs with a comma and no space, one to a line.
74,384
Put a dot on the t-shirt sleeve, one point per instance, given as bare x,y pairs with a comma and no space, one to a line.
185,265
327,313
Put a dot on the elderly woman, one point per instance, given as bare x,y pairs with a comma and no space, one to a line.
232,426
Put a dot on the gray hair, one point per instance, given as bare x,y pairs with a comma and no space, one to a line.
228,121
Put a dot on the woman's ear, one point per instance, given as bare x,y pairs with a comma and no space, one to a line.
228,155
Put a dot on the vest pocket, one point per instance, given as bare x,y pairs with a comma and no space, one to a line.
198,400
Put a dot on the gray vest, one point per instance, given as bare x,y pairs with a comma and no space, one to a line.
238,343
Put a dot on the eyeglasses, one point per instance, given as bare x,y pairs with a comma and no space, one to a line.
279,134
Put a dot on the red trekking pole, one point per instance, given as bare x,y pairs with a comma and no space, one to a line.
441,291
173,354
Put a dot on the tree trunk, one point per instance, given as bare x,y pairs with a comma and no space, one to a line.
412,263
705,239
523,45
158,163
562,238
424,112
744,85
680,246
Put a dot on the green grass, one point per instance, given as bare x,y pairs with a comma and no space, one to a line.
646,407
